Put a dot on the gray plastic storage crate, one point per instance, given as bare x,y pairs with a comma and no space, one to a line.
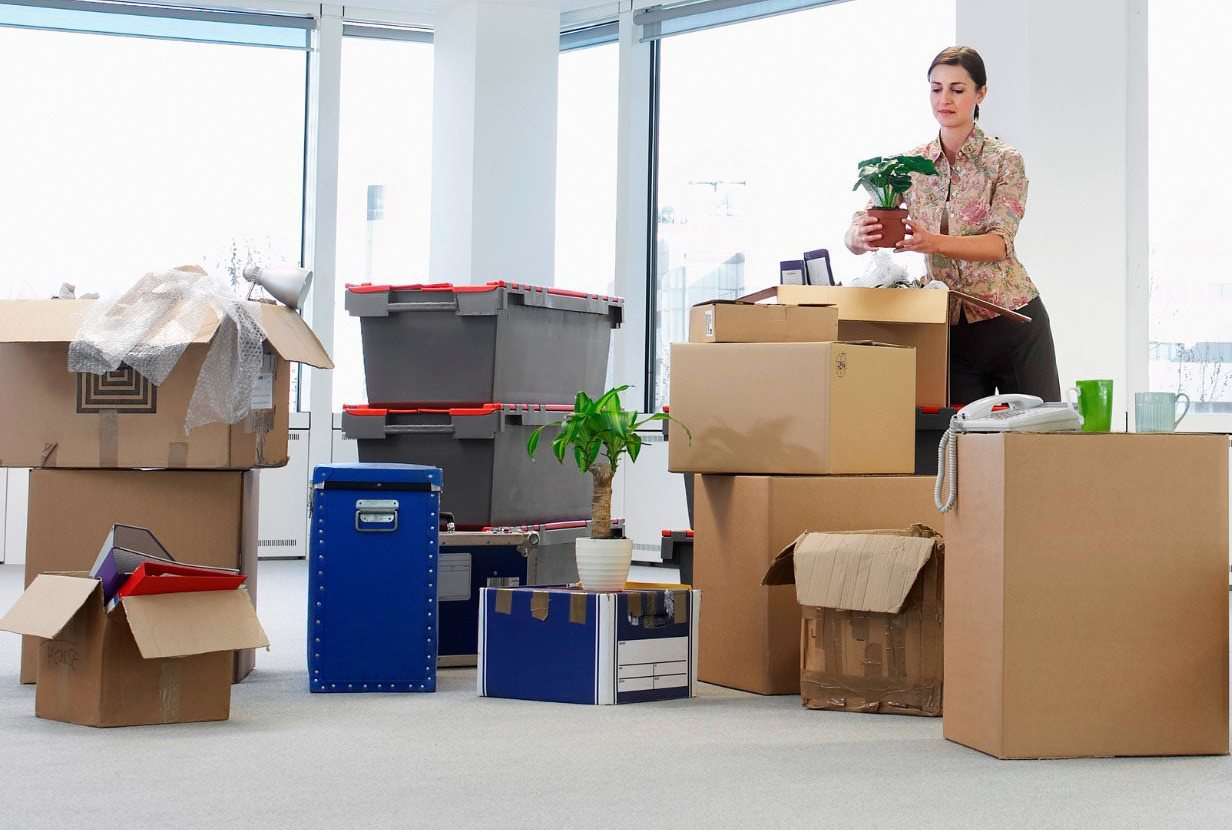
489,478
463,345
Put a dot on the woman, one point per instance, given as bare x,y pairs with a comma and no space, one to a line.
964,220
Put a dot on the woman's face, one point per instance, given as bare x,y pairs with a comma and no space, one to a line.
954,95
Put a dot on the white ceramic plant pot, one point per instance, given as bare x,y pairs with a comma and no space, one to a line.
603,564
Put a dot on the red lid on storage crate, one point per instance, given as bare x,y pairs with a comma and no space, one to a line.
480,409
370,288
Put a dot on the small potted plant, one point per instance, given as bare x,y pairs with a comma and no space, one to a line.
599,433
887,180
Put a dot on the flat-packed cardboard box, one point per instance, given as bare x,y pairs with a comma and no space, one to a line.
871,636
916,318
793,408
1086,595
162,658
750,634
734,321
206,517
53,418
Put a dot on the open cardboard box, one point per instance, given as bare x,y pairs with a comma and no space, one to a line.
793,408
871,602
163,658
906,317
53,418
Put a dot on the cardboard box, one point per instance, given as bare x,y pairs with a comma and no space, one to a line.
871,636
919,319
206,517
750,635
793,408
56,419
163,658
733,321
1086,595
572,646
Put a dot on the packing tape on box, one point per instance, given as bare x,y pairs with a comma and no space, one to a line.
820,690
635,603
259,422
169,691
680,613
177,454
896,652
504,601
539,605
108,438
577,608
874,659
48,458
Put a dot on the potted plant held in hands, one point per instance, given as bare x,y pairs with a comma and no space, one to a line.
599,432
887,180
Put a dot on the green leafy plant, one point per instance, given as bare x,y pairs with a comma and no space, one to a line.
599,432
888,179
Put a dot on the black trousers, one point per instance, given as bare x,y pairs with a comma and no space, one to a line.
1001,356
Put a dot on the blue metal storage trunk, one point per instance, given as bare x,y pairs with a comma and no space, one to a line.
372,606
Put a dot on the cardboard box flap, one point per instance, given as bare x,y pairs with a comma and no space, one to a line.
182,624
48,604
873,305
871,571
57,321
291,337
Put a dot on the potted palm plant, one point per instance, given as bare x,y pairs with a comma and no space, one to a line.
599,432
887,180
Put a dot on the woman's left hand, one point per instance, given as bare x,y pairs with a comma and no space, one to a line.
920,240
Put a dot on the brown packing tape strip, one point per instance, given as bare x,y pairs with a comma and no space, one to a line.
635,603
169,691
504,601
539,605
48,458
820,690
260,422
577,608
108,438
680,600
177,454
874,659
832,640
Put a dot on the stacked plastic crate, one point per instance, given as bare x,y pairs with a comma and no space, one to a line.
458,376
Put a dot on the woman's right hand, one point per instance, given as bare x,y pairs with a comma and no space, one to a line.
863,234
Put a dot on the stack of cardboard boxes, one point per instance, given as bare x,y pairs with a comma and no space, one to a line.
803,419
112,448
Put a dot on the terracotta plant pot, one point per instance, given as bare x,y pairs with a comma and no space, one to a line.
892,228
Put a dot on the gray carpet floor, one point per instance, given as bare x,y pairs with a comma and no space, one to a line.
287,758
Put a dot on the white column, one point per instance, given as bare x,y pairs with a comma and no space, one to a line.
494,142
1058,90
321,219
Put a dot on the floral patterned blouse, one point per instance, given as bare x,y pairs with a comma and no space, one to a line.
984,192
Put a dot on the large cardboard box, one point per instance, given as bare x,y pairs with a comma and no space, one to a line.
793,408
871,636
53,418
163,658
750,634
205,517
734,321
916,318
1086,595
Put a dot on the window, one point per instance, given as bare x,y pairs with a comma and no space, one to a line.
124,155
384,179
761,125
1190,320
586,169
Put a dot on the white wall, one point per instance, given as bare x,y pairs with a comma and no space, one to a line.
1058,90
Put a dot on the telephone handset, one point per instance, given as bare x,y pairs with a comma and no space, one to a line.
1024,413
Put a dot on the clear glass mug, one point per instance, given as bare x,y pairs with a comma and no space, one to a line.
1156,411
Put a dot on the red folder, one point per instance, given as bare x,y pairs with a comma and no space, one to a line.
170,578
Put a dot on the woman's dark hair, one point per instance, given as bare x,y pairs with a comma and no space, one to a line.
968,59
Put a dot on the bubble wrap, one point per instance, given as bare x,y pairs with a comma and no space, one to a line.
149,326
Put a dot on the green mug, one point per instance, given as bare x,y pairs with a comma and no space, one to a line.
1093,399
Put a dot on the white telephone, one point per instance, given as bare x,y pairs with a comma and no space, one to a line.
1025,413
